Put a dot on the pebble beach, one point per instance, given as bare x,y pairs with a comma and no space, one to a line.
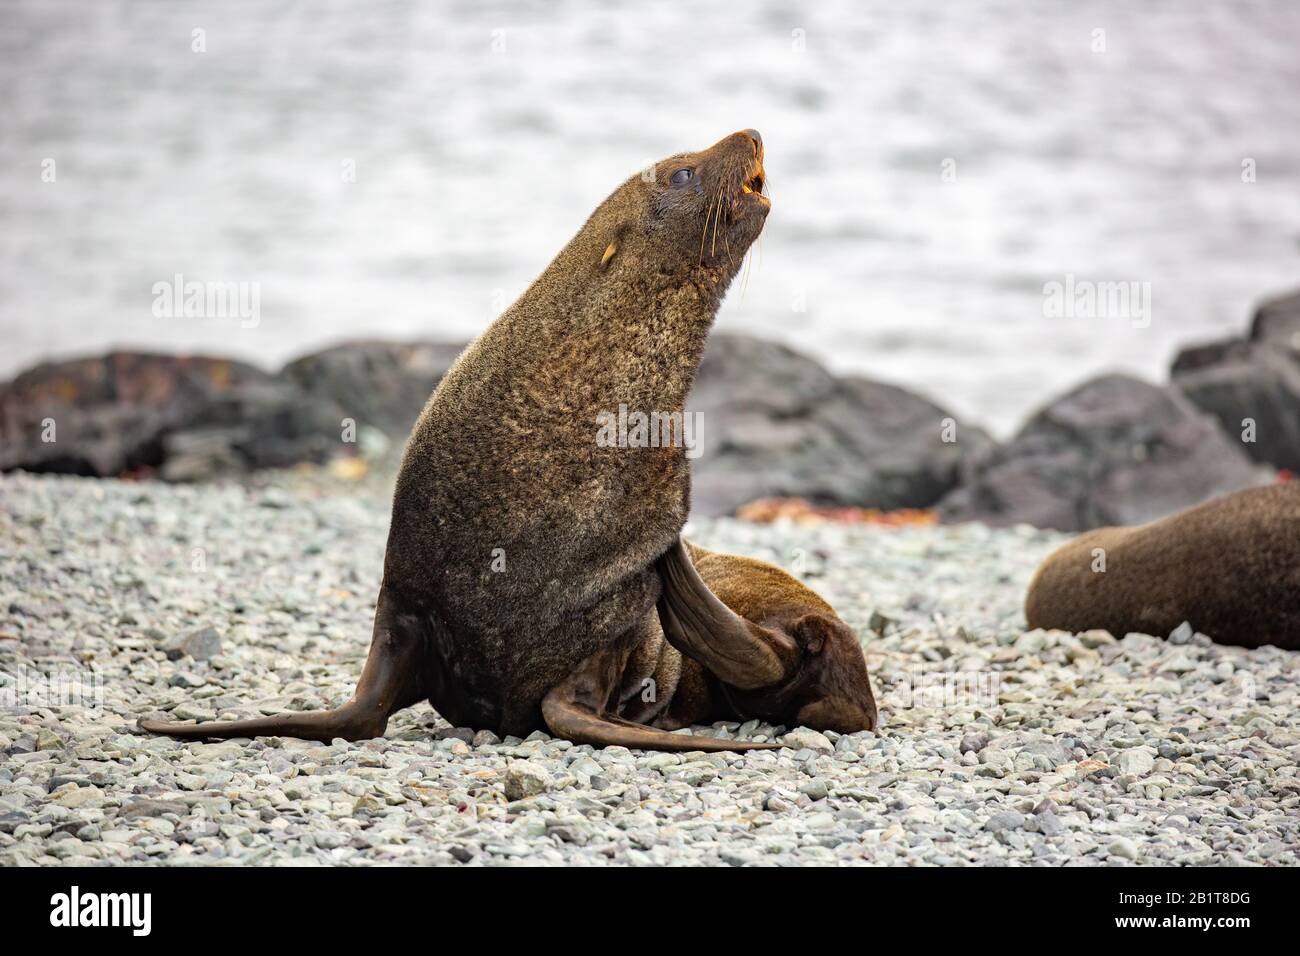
120,600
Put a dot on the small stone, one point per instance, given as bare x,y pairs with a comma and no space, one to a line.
26,744
1049,824
803,738
1123,847
1182,634
153,808
1096,639
484,738
526,779
80,797
465,734
190,781
186,679
1006,820
200,645
367,804
192,712
815,789
1137,761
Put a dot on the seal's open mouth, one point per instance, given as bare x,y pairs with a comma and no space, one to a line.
754,184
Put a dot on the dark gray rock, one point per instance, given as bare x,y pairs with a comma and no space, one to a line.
1278,322
1252,387
1209,354
1006,820
262,425
776,423
195,417
382,385
1050,825
1115,450
109,414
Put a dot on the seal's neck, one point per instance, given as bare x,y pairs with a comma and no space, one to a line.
630,327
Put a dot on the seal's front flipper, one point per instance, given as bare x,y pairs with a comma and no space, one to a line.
737,651
390,681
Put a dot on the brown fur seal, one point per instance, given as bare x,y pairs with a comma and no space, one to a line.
1230,567
526,561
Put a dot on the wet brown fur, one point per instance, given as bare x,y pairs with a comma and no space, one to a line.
1230,567
825,683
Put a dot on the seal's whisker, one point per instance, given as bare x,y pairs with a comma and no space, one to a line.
704,233
713,244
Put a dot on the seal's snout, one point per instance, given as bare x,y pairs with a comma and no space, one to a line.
750,144
838,714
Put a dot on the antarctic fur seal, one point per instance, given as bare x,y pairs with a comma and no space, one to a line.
524,556
1230,567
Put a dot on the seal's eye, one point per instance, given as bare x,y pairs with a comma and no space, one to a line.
682,176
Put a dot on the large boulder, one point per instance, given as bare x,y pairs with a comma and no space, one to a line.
109,414
1114,451
777,423
380,385
1252,386
261,425
197,417
1278,322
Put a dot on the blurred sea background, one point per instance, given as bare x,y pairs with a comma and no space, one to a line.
483,134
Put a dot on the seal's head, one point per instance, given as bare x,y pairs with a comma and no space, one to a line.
690,213
781,654
824,682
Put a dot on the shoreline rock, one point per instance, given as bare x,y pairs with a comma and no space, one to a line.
1251,385
774,421
1113,451
773,424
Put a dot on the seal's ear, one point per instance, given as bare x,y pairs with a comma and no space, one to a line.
610,251
811,632
615,245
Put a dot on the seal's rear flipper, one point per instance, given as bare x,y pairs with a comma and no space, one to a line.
323,725
390,681
581,724
737,651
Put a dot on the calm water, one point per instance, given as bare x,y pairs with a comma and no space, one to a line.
478,153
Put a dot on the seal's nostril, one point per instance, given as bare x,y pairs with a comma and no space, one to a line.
758,140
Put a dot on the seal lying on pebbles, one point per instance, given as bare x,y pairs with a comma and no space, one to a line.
526,559
1230,567
735,638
